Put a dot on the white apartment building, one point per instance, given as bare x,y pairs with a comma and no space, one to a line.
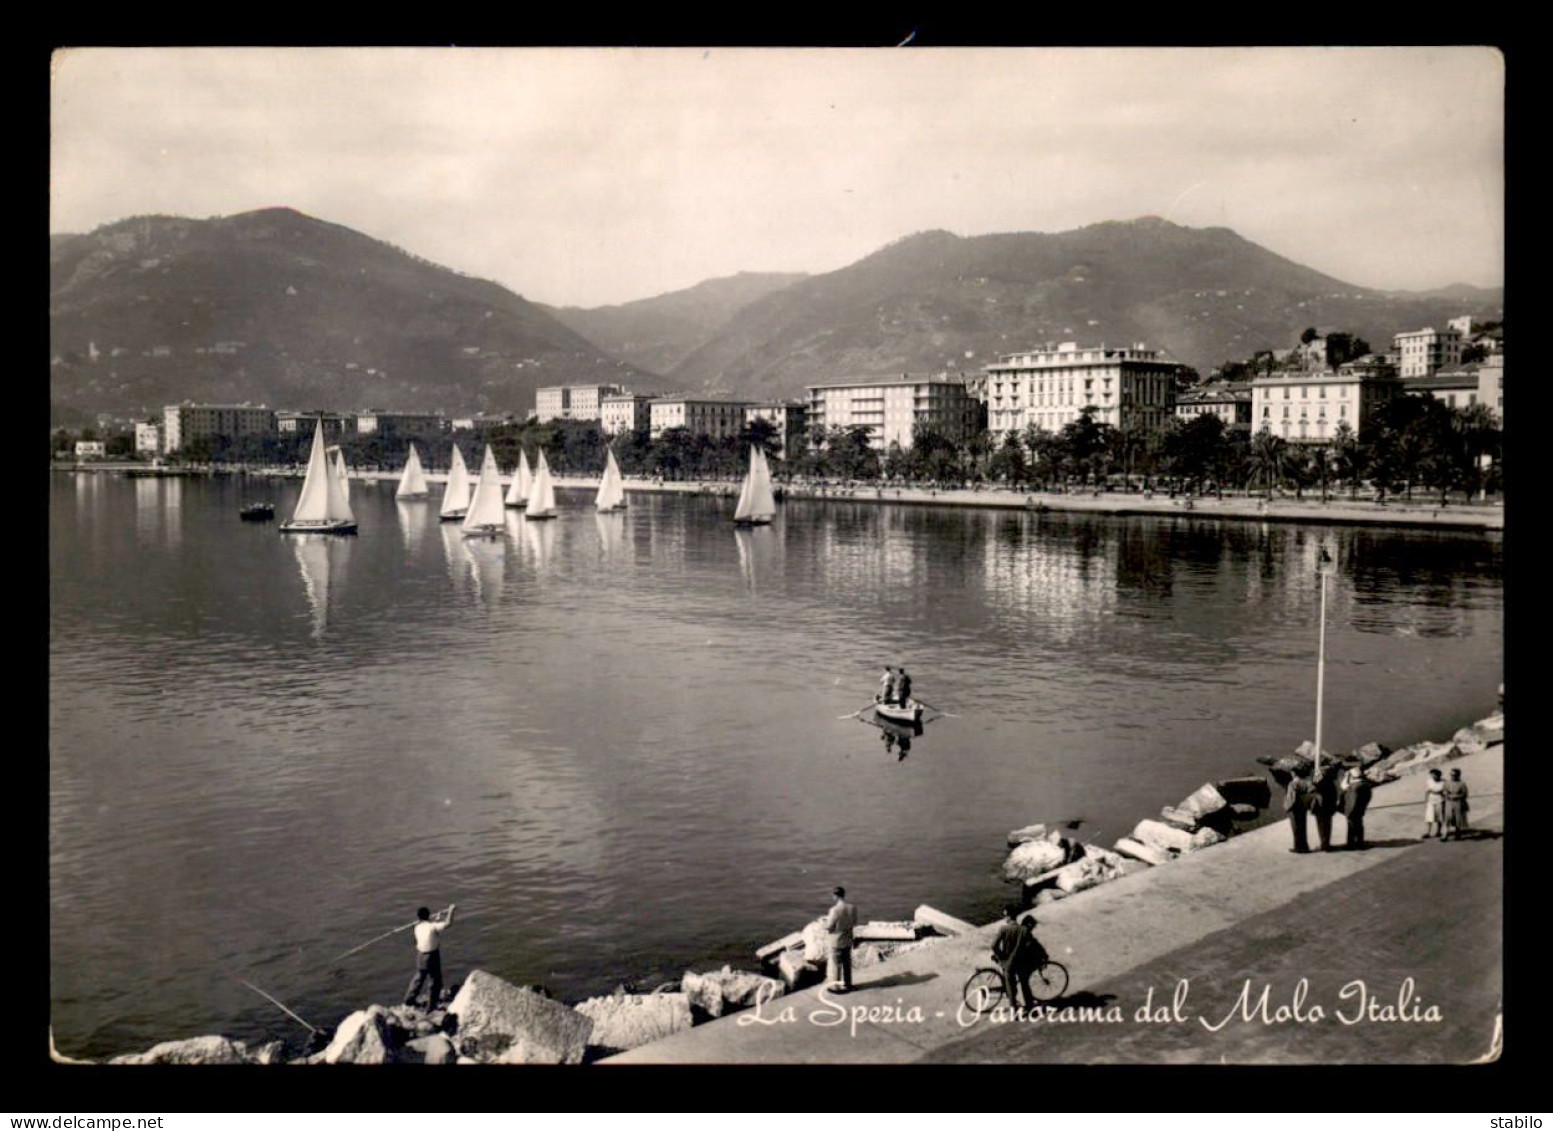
571,402
625,412
1308,407
148,438
184,423
891,407
1230,401
1051,385
701,416
335,424
1420,353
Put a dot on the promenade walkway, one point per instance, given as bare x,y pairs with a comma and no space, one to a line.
1248,909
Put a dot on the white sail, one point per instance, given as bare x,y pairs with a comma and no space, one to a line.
455,496
522,482
323,498
485,507
541,501
756,501
412,484
612,492
339,470
763,501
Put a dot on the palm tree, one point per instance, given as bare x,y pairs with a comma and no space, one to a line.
1346,456
1269,457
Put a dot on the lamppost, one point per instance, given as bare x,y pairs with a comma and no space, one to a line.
1324,568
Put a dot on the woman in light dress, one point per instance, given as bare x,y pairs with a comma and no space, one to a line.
1434,806
1455,815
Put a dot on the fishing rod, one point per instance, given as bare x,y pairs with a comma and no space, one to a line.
387,934
276,1002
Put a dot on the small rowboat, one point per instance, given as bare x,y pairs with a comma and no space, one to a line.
257,512
911,712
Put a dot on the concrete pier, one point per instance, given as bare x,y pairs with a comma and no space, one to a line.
1247,909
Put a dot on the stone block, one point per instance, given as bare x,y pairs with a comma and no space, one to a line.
1166,838
195,1050
728,990
435,1048
1034,858
501,1023
362,1038
1127,846
625,1021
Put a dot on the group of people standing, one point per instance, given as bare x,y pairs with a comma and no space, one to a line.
1445,806
1338,788
1334,788
894,687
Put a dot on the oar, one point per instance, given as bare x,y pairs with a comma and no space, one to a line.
855,713
276,1002
945,714
380,938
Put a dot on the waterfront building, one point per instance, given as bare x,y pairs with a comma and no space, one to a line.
891,407
393,424
335,424
1230,401
1308,407
478,422
702,416
790,419
90,449
625,412
572,402
182,424
148,438
1456,387
1130,387
1424,352
1491,385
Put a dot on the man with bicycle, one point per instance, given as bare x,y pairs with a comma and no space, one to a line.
1018,953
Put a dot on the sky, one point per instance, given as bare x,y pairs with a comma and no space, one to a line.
595,176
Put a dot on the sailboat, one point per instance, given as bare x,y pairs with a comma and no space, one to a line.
486,516
339,469
322,507
522,482
612,492
455,496
412,484
541,501
757,506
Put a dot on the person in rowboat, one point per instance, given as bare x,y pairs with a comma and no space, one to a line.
902,687
886,685
428,956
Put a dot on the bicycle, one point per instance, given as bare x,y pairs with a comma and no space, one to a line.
985,989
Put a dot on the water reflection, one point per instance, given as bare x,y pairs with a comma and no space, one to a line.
321,559
539,544
611,528
413,520
487,561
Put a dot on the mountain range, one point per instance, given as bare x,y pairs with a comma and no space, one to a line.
277,307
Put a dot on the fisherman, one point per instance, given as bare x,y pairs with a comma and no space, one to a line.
886,685
840,921
902,687
428,955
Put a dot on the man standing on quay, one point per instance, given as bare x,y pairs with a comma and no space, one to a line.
1296,803
428,956
839,924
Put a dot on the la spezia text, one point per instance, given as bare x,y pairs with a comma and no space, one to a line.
1355,1003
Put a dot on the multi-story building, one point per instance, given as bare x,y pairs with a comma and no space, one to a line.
892,407
790,419
1130,387
393,424
182,424
90,449
1491,385
701,416
1230,401
1308,407
571,402
1456,387
478,422
625,412
335,424
1423,352
148,438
